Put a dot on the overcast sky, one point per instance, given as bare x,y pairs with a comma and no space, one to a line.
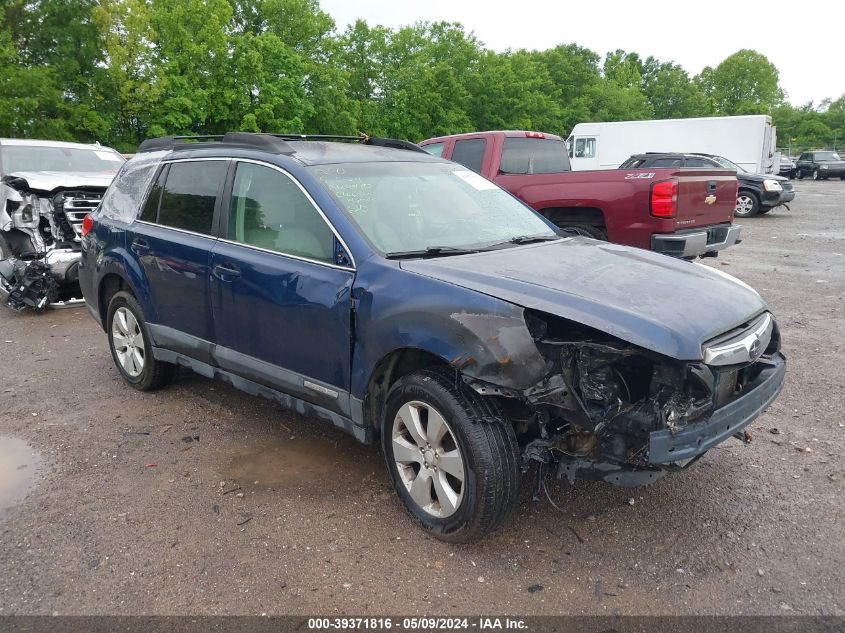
803,39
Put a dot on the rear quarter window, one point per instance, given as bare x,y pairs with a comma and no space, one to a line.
124,197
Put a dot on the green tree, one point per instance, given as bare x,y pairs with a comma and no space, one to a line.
744,83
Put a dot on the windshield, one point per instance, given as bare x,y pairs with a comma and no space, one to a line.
724,162
16,158
407,207
827,156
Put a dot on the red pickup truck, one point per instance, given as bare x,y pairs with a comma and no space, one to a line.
681,212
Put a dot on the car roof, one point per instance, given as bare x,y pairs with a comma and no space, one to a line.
313,150
325,153
29,142
506,133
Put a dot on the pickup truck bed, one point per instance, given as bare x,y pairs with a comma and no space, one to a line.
680,212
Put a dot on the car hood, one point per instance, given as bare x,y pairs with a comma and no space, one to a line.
53,180
666,305
760,177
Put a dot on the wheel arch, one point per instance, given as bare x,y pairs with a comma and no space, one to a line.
390,368
586,216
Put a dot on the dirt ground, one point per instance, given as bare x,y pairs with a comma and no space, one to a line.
199,499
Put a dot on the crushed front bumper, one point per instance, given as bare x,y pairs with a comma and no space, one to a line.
666,446
696,242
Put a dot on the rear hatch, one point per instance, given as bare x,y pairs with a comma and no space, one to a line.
705,197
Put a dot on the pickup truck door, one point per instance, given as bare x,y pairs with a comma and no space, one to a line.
281,289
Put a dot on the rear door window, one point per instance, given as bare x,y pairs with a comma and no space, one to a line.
534,156
190,194
150,211
470,153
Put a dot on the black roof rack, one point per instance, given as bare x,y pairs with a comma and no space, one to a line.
273,143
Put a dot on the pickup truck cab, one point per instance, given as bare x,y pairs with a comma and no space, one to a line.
682,212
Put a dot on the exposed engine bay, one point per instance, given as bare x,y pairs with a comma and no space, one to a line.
40,242
593,413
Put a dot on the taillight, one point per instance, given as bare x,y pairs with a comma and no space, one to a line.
535,135
87,224
664,198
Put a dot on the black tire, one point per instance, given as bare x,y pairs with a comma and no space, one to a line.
842,177
487,445
154,374
799,174
595,232
747,204
764,210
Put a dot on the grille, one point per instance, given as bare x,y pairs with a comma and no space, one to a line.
78,204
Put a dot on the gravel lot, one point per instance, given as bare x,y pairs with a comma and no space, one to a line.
199,499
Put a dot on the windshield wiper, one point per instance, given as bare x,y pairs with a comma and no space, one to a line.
523,239
431,251
528,239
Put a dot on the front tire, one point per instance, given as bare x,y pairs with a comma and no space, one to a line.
131,349
816,175
452,457
747,204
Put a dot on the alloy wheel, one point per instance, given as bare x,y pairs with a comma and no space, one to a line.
428,459
744,205
128,342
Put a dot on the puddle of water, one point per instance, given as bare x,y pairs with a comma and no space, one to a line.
305,462
19,466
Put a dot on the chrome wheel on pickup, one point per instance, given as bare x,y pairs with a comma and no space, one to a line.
452,455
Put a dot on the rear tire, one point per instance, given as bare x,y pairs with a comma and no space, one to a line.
432,419
747,204
131,348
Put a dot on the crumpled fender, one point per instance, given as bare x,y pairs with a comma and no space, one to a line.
482,337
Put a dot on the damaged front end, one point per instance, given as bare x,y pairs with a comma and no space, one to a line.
40,242
605,409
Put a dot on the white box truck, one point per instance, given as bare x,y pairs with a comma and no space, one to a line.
749,141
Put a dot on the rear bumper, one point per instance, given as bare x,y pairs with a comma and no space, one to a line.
666,447
696,242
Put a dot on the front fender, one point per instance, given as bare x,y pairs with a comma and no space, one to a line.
480,336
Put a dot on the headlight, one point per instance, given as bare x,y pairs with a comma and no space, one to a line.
772,185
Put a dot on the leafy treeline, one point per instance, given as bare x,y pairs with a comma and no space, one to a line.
119,71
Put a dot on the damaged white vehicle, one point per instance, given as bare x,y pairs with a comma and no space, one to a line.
47,189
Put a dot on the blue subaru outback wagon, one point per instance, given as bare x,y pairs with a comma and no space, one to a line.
410,301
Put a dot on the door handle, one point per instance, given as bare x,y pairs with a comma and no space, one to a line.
139,246
711,186
226,271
